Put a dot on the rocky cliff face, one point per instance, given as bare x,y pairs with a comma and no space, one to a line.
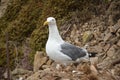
102,35
96,24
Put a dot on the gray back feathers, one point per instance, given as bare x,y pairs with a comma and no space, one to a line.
72,51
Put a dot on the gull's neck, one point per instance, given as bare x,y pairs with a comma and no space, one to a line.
54,33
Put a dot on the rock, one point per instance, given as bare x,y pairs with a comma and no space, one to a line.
97,49
92,77
93,69
113,29
93,43
103,64
45,67
106,47
101,27
5,75
44,60
118,43
96,34
94,60
66,79
111,51
73,32
113,40
85,68
110,20
107,37
118,33
87,36
20,71
118,22
39,60
69,68
35,76
49,62
21,78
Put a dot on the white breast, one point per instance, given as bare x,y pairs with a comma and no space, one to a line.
53,51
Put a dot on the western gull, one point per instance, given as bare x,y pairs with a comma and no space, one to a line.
59,50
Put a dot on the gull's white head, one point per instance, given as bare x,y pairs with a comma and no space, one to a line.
50,21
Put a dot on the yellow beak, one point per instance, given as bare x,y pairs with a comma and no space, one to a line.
45,23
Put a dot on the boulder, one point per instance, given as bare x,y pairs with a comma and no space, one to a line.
39,60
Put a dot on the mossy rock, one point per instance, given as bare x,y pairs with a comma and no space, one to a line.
87,36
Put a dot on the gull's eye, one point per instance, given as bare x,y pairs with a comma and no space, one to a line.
52,19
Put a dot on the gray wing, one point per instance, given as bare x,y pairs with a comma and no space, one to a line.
72,51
